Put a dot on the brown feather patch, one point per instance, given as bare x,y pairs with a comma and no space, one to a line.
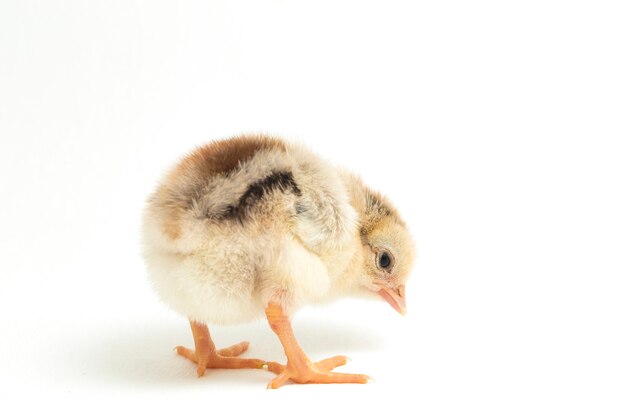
185,181
223,156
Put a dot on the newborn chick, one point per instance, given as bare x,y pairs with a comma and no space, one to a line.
254,225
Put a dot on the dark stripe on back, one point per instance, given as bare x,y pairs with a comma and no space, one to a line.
282,181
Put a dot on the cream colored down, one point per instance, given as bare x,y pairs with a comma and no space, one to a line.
224,271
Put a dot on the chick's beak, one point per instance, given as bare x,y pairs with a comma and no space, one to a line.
395,298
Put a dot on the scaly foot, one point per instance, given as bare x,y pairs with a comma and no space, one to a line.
206,356
314,373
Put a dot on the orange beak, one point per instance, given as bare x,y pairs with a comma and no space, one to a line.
395,298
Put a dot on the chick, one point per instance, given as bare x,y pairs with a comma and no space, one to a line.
255,225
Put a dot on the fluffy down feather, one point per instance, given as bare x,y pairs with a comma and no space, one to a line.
240,222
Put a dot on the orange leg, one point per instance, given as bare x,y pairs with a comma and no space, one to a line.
206,356
299,368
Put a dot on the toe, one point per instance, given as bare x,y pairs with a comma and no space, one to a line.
200,369
339,378
186,353
236,363
274,367
234,350
331,363
279,381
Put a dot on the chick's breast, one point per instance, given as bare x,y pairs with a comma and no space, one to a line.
240,220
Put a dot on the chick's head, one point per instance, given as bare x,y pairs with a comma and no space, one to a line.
388,251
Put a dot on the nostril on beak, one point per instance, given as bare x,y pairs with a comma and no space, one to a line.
401,291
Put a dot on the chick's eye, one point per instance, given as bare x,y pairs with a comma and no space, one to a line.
384,260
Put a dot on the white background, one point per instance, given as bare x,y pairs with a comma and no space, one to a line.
497,127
